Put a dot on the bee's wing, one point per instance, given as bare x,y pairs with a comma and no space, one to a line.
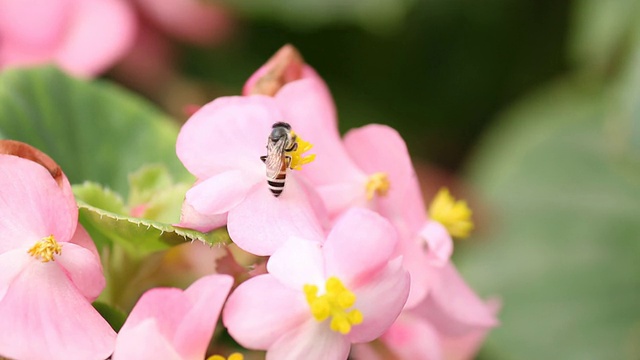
275,157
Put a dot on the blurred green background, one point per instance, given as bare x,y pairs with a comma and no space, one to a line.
532,105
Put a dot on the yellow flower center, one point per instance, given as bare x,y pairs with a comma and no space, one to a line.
234,356
377,184
453,215
297,160
334,303
45,249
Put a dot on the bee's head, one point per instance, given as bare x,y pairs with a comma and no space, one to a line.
279,130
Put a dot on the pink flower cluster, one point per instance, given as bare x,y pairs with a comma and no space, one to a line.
356,265
354,257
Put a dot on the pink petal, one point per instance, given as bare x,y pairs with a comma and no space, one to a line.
144,342
423,274
228,133
11,264
32,29
191,219
406,209
379,148
285,66
341,196
413,338
360,243
99,33
191,20
439,242
466,346
380,300
220,193
182,320
261,310
83,267
262,222
32,205
45,317
206,297
452,307
310,341
367,351
307,105
298,262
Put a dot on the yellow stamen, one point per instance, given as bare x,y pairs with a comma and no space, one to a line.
334,303
297,160
454,215
377,184
45,249
234,356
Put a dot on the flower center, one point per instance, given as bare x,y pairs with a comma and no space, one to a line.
453,215
334,303
377,184
234,356
45,249
297,160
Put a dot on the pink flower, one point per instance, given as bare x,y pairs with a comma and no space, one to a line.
450,323
319,299
370,168
83,37
169,323
49,270
221,144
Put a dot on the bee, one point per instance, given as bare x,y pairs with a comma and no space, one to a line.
279,143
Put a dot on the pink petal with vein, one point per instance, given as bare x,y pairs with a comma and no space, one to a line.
228,133
261,310
413,338
452,306
439,242
310,341
307,105
155,346
182,320
298,262
82,266
32,205
380,300
221,193
44,316
360,243
262,222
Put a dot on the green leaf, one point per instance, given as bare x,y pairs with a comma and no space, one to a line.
153,194
562,249
600,28
137,236
94,130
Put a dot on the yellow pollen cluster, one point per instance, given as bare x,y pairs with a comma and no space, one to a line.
45,249
297,160
453,215
334,303
234,356
377,184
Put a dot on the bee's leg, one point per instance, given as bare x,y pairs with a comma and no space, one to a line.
263,158
288,160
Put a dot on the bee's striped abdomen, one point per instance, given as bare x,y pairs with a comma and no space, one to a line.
277,185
